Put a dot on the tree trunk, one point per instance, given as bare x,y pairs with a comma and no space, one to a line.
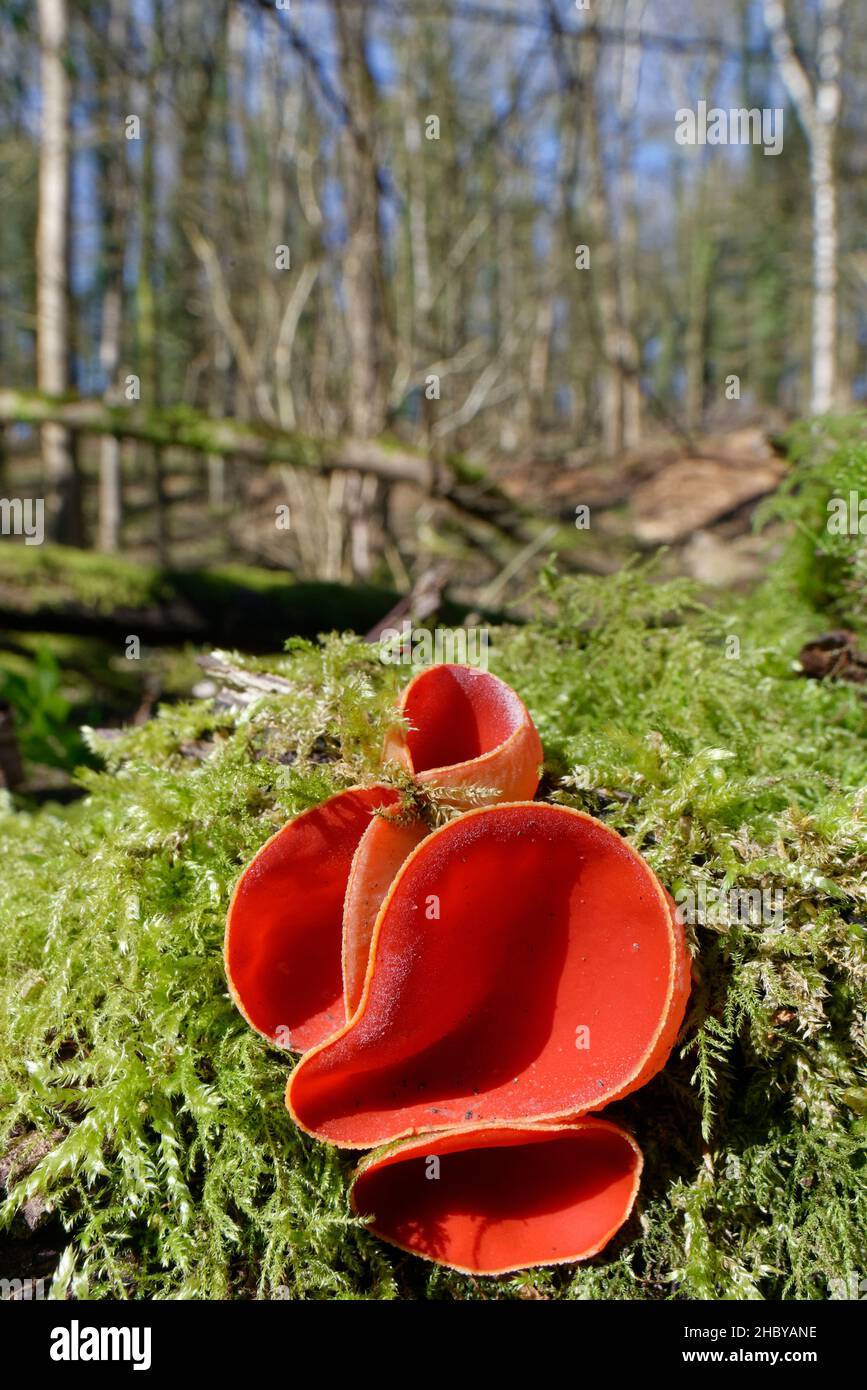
110,473
630,80
699,257
363,268
824,353
363,271
113,178
603,257
146,300
51,268
818,107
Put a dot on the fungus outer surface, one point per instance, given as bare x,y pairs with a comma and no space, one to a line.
467,729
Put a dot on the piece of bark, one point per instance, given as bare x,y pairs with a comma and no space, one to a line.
834,656
693,493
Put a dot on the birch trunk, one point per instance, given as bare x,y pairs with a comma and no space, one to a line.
603,256
51,267
818,108
824,354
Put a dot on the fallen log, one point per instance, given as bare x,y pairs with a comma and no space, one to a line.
59,589
183,427
463,485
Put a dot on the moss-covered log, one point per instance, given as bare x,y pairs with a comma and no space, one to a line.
58,589
464,485
183,427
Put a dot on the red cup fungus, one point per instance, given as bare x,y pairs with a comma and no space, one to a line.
466,997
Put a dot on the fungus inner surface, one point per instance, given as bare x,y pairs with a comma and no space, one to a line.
498,1200
458,714
285,927
521,968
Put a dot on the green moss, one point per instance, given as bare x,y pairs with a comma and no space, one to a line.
177,1170
51,573
825,560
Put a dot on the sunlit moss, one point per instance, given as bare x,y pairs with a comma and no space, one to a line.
178,1171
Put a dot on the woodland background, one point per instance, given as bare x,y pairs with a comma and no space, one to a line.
297,287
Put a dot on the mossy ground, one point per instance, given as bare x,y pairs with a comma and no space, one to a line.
171,1160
